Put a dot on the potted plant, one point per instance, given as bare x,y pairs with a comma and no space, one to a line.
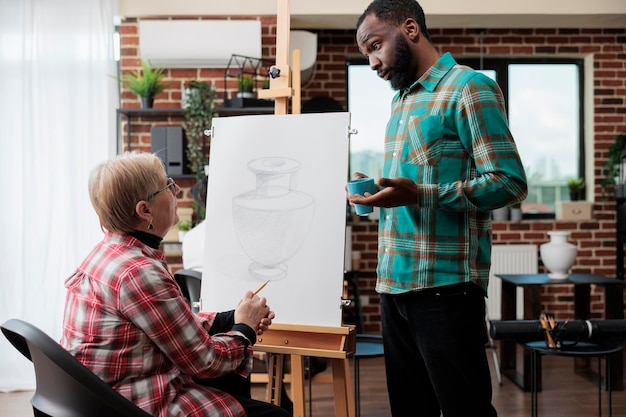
615,167
199,113
245,84
183,227
146,83
576,188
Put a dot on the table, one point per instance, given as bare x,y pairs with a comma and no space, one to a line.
579,350
531,284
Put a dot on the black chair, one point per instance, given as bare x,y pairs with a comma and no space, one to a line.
189,281
64,386
367,346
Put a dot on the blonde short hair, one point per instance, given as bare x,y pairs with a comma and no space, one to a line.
117,185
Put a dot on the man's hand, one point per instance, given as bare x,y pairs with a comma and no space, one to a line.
394,192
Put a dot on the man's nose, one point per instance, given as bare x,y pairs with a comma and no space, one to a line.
374,63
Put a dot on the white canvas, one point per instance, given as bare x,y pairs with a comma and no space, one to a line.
276,209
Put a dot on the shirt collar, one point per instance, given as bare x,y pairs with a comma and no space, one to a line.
434,74
132,241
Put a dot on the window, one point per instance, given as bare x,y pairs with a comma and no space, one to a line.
544,104
369,102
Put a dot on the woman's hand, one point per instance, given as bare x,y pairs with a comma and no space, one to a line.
253,311
265,323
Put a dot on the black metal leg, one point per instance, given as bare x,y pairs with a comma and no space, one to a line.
600,386
609,387
357,387
533,398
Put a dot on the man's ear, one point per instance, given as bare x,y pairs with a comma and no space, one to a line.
411,28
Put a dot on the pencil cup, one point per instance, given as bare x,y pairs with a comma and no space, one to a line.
362,186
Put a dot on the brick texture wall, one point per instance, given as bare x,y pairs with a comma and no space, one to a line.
595,239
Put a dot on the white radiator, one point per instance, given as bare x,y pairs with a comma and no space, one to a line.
509,259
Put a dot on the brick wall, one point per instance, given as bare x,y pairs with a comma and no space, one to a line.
595,239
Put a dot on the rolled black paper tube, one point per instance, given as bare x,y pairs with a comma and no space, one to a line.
516,329
608,329
529,330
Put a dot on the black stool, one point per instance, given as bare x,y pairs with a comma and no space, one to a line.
580,349
367,346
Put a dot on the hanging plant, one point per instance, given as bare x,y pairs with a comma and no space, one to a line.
199,113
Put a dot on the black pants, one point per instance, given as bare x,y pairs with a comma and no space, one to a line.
435,356
239,388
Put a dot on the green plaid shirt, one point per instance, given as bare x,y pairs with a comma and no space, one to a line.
448,132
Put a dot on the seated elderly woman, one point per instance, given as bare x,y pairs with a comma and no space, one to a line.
127,321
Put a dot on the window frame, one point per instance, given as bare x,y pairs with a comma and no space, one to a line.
500,66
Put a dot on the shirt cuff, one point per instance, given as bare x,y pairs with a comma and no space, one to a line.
247,331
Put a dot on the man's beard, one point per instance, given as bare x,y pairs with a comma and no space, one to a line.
402,77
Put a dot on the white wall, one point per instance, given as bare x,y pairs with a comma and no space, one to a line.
307,14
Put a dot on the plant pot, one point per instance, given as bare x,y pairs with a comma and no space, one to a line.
500,214
558,255
147,102
245,94
516,214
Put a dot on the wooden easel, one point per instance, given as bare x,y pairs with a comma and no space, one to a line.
287,84
334,343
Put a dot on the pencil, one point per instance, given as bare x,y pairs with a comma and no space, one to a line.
261,287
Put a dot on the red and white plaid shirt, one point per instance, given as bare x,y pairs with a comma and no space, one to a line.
127,321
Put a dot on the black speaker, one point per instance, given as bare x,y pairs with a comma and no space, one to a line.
168,143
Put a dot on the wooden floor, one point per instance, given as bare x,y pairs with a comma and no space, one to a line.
566,393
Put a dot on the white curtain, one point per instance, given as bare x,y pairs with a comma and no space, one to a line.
58,95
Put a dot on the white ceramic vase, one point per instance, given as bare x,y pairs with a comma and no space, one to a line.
558,255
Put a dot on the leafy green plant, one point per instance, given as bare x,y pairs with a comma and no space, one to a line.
613,165
183,225
145,83
245,83
576,188
199,113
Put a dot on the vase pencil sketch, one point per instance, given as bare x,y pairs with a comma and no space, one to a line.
273,219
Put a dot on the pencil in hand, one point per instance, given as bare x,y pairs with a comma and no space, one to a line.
258,290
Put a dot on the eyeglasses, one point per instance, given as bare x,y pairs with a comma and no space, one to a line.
174,188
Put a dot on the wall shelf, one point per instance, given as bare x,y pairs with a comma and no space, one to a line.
164,113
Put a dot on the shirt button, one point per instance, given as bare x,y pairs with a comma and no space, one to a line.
388,217
395,154
386,250
401,122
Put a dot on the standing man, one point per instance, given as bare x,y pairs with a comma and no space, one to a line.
449,160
